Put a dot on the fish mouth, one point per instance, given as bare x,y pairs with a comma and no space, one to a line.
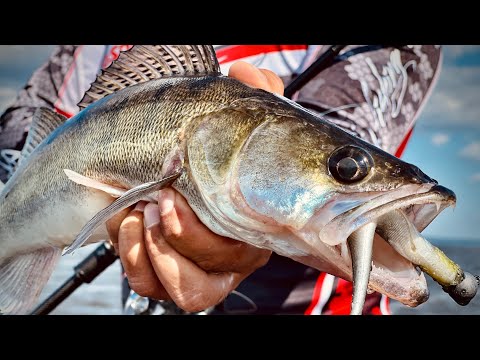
397,256
421,208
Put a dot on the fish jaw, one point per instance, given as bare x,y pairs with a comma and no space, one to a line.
341,225
395,276
391,274
394,273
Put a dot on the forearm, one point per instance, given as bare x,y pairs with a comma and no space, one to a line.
41,90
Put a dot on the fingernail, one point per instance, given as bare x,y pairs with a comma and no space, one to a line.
166,201
151,215
140,206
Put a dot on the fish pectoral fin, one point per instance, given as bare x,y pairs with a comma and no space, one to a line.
86,181
23,277
129,198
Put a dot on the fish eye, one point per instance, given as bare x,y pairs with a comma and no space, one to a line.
350,164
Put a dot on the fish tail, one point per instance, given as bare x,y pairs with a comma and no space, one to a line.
23,277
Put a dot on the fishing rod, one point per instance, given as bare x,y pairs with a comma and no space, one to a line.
104,255
324,61
84,273
329,57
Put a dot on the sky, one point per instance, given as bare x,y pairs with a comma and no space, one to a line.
445,143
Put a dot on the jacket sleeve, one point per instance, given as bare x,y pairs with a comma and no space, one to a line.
58,84
41,90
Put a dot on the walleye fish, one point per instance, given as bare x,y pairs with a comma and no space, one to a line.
254,166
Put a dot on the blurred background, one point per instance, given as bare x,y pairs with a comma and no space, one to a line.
445,145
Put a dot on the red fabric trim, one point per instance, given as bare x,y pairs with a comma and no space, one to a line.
235,52
67,77
341,299
387,306
113,54
316,294
376,310
64,113
402,146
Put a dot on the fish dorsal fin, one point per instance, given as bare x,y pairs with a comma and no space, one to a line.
148,62
43,123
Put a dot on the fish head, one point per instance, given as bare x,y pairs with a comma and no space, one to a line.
279,177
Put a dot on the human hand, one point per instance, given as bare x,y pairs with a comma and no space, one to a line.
168,254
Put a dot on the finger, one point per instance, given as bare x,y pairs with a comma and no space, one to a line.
258,78
133,254
274,82
190,287
182,229
113,225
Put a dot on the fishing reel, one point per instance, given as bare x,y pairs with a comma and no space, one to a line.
140,305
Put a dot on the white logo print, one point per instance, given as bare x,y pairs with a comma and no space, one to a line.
392,83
